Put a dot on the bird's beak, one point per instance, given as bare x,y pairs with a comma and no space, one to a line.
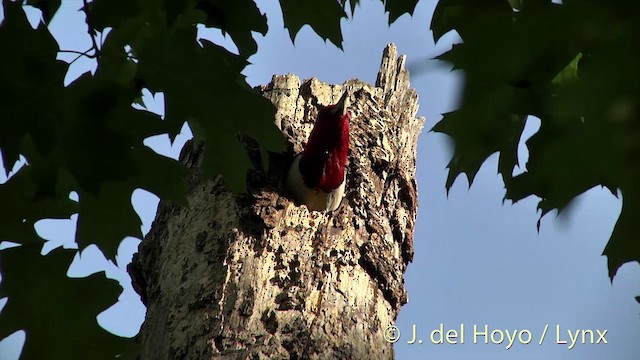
339,107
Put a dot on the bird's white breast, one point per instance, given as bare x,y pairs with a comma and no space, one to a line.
315,199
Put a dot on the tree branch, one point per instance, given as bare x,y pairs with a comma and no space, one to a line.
91,29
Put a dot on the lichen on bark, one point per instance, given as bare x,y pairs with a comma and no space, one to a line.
253,276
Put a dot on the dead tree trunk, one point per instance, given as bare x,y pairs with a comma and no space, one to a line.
252,276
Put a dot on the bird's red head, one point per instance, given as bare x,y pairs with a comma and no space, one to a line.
324,159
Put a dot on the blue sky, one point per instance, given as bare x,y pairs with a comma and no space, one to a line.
478,261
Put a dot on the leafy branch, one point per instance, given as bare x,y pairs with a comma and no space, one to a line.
552,61
91,30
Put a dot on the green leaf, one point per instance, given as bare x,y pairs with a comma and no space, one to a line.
136,125
17,192
173,9
546,60
476,140
469,16
42,299
569,73
160,175
322,15
104,152
397,8
107,217
29,65
624,246
139,101
503,85
94,151
564,162
226,156
223,107
516,4
352,5
23,207
111,13
239,18
48,8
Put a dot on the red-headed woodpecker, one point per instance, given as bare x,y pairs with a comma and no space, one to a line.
317,176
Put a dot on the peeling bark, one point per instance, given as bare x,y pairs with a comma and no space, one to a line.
253,276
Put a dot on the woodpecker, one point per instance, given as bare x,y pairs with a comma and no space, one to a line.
317,175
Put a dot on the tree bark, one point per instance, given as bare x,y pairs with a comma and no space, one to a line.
253,276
